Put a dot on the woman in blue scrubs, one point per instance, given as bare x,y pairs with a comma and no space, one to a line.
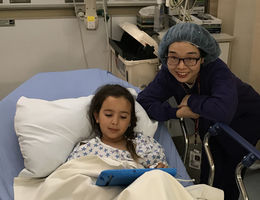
207,91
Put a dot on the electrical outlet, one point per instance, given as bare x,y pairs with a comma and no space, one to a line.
7,22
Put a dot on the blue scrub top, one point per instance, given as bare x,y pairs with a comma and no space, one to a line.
221,97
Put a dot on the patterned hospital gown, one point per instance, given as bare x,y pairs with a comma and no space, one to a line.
150,151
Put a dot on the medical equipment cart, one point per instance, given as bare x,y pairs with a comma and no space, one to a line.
134,57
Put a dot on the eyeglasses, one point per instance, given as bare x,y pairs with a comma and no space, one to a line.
174,61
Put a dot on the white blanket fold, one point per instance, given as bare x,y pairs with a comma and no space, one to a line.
76,180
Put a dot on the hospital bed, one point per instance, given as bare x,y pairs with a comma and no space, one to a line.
53,86
248,160
249,185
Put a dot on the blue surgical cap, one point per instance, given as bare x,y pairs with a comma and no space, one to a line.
194,34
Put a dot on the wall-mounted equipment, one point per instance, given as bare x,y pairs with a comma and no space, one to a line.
91,19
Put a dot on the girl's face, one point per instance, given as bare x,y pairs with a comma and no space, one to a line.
191,55
114,118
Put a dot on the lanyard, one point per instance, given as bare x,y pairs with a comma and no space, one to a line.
188,91
196,130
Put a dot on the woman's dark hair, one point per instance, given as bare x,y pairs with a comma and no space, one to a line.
203,54
114,90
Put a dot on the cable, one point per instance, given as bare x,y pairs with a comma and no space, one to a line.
184,11
106,29
179,178
178,3
83,46
175,3
105,16
184,180
78,15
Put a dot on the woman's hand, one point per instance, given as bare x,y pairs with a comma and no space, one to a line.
184,101
185,112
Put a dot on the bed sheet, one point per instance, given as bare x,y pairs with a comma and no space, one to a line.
53,86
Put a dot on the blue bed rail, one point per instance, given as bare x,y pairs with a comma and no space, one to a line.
220,127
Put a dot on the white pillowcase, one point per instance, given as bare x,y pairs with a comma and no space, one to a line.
48,130
144,123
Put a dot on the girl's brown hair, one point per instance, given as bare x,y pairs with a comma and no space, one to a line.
114,90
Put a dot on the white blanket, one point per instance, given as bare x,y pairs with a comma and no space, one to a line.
76,180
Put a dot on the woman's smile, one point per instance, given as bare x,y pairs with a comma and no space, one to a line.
182,72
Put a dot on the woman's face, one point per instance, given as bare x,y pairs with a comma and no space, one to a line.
114,118
185,71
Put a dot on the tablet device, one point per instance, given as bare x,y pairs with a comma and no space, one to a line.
124,177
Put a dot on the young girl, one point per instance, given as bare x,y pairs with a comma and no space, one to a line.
112,116
113,119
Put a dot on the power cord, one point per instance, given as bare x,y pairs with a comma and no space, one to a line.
80,17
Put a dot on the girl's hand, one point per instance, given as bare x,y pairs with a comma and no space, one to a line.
161,165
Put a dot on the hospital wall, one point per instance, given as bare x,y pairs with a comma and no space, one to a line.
242,20
41,45
44,41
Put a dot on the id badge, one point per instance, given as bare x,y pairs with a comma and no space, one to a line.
195,159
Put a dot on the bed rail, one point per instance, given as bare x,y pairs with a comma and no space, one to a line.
247,161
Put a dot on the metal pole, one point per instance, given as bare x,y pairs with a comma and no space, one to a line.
186,140
239,181
210,159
